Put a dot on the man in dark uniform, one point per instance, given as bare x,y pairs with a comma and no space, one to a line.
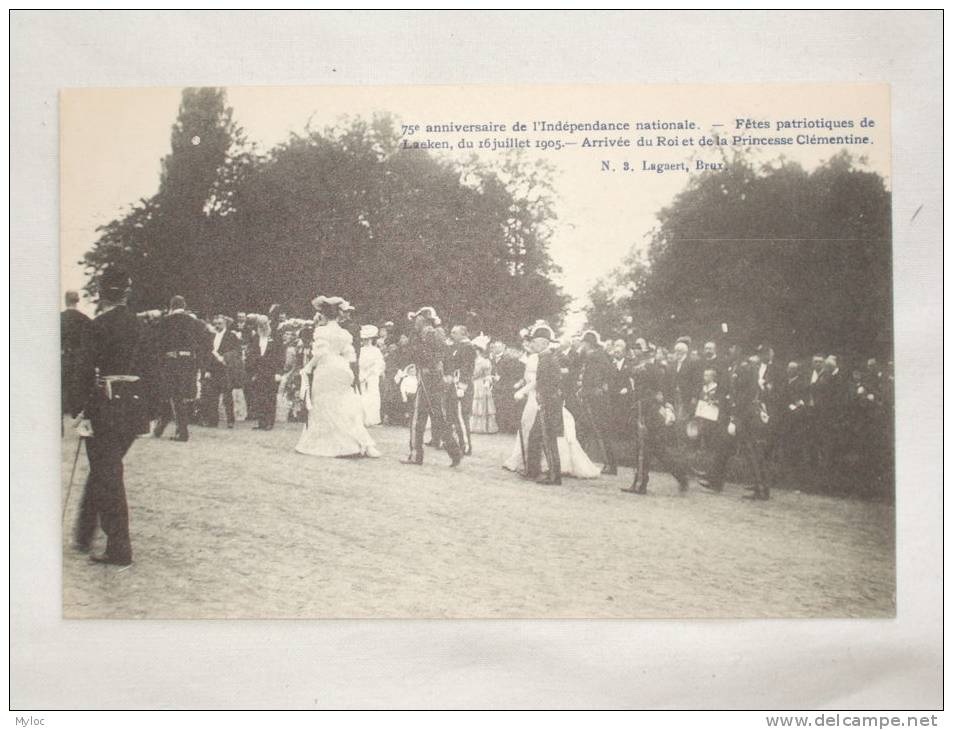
181,338
429,353
746,431
592,395
548,426
460,385
649,397
74,329
113,350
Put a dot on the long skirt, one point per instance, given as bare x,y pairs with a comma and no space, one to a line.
483,416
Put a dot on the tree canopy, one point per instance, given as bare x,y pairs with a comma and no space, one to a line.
796,258
341,211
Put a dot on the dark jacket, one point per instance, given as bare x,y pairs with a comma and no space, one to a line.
548,378
595,372
462,360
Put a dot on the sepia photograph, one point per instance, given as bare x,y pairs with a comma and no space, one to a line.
542,352
476,359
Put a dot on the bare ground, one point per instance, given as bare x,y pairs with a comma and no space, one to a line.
234,524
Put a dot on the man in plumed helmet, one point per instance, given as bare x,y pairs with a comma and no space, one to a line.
113,360
428,352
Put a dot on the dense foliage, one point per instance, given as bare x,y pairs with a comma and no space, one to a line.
800,259
342,211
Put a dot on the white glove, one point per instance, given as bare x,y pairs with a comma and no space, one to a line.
84,428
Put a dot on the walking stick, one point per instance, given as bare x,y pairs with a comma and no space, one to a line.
72,473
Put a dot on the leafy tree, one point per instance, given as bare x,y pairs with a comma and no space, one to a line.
162,240
799,259
341,211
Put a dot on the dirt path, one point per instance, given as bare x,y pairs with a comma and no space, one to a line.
235,524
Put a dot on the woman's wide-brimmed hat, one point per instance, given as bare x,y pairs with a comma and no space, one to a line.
428,312
368,332
544,331
333,301
592,336
480,341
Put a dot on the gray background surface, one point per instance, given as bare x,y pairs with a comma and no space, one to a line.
643,664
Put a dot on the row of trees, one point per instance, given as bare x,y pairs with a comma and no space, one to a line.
341,211
799,259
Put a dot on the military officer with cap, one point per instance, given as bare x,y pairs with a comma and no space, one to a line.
113,360
429,353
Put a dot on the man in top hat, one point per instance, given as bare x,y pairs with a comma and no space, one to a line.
181,339
548,426
113,350
460,384
592,395
428,353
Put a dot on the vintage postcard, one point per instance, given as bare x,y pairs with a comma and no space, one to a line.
477,352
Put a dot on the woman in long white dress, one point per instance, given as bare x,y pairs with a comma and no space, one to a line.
371,369
573,459
336,418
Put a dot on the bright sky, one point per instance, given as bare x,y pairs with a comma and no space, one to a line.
112,142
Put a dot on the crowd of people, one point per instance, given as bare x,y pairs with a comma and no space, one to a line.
571,402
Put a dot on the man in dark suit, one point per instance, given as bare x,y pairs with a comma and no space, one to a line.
593,395
685,381
791,429
219,374
74,330
266,360
113,350
711,359
181,342
830,409
460,385
548,426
